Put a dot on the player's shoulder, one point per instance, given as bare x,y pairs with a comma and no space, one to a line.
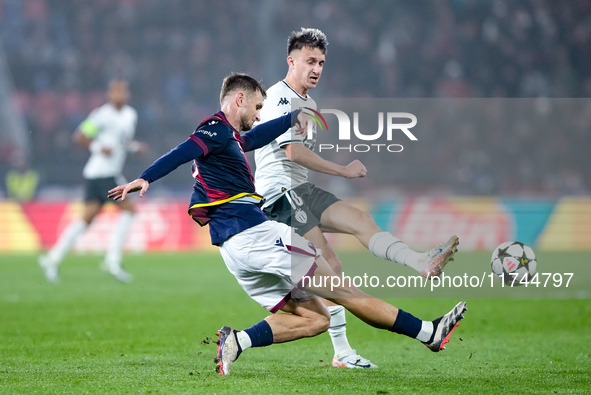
281,90
214,127
277,88
130,110
282,94
102,110
278,101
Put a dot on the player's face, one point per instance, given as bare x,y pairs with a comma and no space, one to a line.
307,64
251,110
118,93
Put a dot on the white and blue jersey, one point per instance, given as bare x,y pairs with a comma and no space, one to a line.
275,173
224,193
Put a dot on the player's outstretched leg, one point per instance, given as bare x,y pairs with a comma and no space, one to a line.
112,262
429,264
380,314
49,267
434,260
311,318
344,218
50,261
304,319
344,355
444,326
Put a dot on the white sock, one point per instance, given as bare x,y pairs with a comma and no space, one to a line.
426,331
338,331
115,251
66,241
243,340
385,246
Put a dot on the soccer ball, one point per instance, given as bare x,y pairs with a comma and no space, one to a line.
513,263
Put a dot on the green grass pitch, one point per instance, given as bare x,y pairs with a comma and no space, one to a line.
90,334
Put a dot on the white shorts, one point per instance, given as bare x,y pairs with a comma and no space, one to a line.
269,260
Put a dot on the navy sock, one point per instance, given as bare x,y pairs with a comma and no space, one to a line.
406,324
260,334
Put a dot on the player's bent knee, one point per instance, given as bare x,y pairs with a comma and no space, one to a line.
365,219
319,319
320,325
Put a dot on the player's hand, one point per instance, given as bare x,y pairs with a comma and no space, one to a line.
121,191
301,126
107,151
138,147
355,169
143,148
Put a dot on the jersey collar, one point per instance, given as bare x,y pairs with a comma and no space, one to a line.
218,116
294,91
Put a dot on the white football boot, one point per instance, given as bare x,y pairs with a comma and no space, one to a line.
353,361
436,258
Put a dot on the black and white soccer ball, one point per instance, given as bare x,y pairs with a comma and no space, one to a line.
514,263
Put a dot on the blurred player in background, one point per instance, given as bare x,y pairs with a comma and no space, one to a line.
108,134
267,259
282,178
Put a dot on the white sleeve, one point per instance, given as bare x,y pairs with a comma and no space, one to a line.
95,116
93,124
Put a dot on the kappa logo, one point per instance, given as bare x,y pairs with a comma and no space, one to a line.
283,101
279,243
212,122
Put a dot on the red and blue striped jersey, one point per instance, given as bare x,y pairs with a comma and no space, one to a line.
224,194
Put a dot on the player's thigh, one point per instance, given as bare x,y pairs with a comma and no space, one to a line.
325,283
344,218
312,308
268,260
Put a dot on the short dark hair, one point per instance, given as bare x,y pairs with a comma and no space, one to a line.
240,81
306,37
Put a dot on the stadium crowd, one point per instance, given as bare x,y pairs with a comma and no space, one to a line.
176,52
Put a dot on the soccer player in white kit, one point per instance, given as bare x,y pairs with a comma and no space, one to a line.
108,134
282,178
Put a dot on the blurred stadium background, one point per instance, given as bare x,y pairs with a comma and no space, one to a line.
57,56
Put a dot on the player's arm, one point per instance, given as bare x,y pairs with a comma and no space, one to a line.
81,139
85,135
303,156
191,149
266,132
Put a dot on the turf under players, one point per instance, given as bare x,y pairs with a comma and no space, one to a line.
282,178
269,261
108,134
